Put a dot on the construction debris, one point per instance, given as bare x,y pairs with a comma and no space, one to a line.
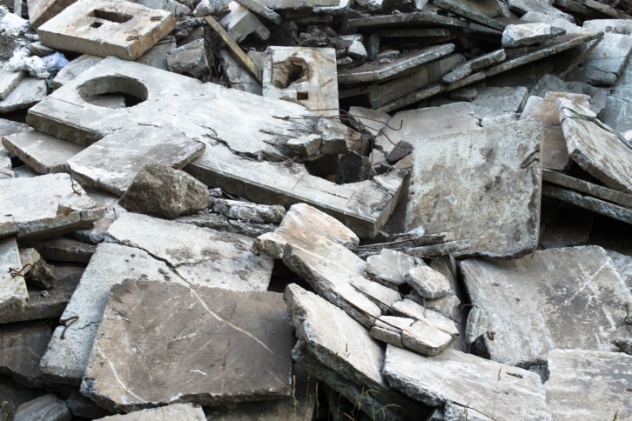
441,190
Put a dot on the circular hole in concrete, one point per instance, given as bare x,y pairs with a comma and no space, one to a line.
113,92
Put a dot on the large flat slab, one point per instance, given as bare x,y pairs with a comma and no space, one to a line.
591,385
476,184
106,28
188,344
44,206
488,389
566,298
13,293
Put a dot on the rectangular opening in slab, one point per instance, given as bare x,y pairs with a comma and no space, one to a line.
302,96
117,17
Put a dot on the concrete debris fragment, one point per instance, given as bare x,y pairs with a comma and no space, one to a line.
175,411
22,348
27,93
390,267
528,34
47,407
13,291
428,283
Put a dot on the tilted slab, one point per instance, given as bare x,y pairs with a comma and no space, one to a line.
412,20
589,385
173,412
44,206
566,298
161,342
13,292
498,391
478,183
230,160
106,28
28,92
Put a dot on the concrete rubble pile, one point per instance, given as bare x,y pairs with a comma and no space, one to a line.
315,209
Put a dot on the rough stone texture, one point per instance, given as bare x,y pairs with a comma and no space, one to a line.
107,28
566,298
428,283
591,385
161,191
21,349
173,412
502,168
189,59
251,212
199,256
113,162
45,154
66,359
595,147
44,206
47,407
416,19
497,391
554,152
41,11
28,92
13,292
389,267
302,75
493,101
529,34
227,329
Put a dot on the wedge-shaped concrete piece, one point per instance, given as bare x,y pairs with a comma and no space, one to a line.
428,283
173,412
41,11
21,348
106,28
566,298
13,293
44,206
45,154
112,163
28,92
591,385
467,183
529,34
200,256
595,147
497,391
210,337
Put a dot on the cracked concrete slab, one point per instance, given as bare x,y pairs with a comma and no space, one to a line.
220,332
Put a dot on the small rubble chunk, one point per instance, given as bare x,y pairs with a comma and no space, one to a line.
107,28
498,391
428,283
47,407
495,160
228,329
493,101
532,307
162,191
389,267
13,291
44,206
21,349
246,211
241,22
529,34
189,59
27,93
591,385
173,412
8,81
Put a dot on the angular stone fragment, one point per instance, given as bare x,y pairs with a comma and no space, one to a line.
13,293
47,407
21,349
44,206
241,22
107,28
238,77
501,164
498,391
528,34
566,298
13,396
591,385
162,191
173,412
8,81
73,69
41,11
389,267
64,249
550,83
595,147
428,283
189,59
80,406
227,329
481,12
45,154
28,92
416,19
474,65
493,101
246,211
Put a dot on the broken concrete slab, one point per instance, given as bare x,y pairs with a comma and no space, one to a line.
28,92
253,326
413,20
13,293
8,81
262,10
8,127
112,163
47,407
445,205
44,206
428,283
45,154
41,11
238,77
606,61
63,249
303,75
73,69
14,395
251,212
189,59
173,412
554,152
496,391
589,384
595,147
21,349
550,83
107,28
241,22
474,65
69,349
482,12
493,101
389,267
199,256
528,34
541,295
162,191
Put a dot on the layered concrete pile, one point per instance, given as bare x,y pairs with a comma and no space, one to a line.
315,209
